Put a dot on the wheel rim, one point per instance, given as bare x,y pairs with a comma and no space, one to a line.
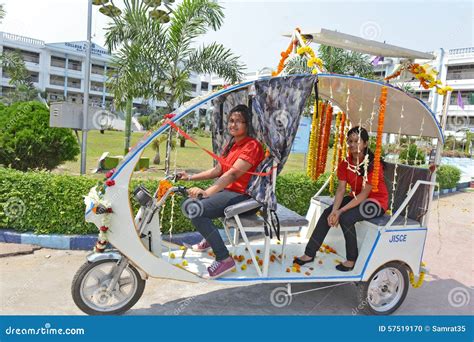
95,282
385,289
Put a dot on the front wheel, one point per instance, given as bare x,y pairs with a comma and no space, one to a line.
90,283
385,291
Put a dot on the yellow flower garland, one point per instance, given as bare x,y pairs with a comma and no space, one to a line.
335,147
312,142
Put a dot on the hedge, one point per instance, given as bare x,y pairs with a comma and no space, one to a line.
448,176
53,204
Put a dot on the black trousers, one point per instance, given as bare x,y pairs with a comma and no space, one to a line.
213,207
347,221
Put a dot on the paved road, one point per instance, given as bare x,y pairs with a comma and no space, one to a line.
39,283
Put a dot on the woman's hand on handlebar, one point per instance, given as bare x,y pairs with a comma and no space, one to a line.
182,175
197,192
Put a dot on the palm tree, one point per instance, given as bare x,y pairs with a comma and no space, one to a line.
157,57
2,12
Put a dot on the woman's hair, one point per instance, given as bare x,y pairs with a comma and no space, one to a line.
364,135
245,112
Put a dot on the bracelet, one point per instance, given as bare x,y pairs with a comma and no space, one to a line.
189,177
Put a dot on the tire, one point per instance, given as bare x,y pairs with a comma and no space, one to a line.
84,298
370,294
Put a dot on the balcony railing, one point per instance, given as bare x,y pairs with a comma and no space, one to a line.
462,51
461,75
21,39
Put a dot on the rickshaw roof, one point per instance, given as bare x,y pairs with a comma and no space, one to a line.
359,99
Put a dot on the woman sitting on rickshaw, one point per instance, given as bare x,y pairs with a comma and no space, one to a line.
347,210
241,155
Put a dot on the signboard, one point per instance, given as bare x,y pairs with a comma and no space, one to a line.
301,142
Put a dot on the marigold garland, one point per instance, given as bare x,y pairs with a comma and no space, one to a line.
312,142
319,143
334,153
325,140
378,146
163,187
425,74
284,56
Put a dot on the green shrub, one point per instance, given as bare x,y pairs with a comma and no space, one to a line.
412,152
448,176
53,204
27,141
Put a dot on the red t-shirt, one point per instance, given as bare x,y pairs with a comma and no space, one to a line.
356,181
247,149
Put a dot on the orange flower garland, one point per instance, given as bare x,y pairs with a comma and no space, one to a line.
163,187
378,146
423,73
325,141
284,56
320,141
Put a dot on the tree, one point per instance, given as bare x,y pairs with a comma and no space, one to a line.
2,12
14,67
155,58
335,60
27,141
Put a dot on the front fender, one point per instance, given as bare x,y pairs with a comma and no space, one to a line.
112,255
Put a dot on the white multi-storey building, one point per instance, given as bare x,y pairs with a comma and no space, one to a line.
58,70
456,69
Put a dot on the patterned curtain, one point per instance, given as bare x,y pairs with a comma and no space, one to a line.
277,105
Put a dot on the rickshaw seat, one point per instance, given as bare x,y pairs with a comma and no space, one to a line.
244,218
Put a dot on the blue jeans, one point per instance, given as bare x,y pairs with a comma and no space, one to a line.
213,207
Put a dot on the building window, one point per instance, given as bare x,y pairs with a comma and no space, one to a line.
74,65
466,95
27,56
97,86
460,72
74,83
34,76
204,86
423,95
56,80
58,62
193,87
97,69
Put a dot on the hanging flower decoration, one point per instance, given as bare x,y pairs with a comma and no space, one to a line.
378,146
342,140
325,139
426,74
284,56
334,154
163,187
319,144
313,62
103,208
313,140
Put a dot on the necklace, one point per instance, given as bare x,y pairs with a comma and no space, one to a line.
355,168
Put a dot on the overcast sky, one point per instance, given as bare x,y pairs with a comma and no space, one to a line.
253,29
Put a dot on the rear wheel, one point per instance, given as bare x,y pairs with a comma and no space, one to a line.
89,288
385,291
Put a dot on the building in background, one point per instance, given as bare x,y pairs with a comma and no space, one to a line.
456,69
57,69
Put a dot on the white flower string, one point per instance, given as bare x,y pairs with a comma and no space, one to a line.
415,162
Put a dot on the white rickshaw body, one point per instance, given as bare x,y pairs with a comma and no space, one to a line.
393,240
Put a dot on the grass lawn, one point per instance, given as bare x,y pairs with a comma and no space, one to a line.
190,158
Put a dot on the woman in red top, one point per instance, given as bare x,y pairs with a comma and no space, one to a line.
361,204
242,154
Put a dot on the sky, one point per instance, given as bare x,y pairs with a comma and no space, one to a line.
253,29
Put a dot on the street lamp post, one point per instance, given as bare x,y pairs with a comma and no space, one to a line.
86,89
